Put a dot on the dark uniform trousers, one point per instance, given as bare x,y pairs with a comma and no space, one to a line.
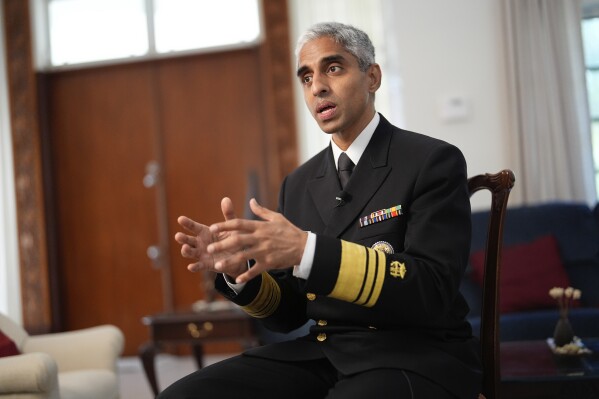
383,289
256,378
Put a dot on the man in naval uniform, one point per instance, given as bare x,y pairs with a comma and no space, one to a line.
370,241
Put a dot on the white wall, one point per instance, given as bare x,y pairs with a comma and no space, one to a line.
455,47
432,49
10,293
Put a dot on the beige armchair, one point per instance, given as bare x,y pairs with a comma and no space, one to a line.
77,364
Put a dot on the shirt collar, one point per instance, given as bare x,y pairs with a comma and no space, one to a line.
357,148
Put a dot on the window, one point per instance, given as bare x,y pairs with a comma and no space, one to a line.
188,24
84,31
590,37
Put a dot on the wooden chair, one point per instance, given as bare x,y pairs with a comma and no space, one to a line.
500,185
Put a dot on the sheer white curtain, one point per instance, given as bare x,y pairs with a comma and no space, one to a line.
548,105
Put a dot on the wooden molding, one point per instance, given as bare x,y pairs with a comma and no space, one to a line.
278,111
31,222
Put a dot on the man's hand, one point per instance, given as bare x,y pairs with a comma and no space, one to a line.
274,243
193,246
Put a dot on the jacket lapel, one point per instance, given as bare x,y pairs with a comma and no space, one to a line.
367,177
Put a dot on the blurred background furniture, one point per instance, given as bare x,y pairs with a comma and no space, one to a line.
194,328
530,370
77,364
545,245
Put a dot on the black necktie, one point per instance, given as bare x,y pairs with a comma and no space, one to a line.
345,166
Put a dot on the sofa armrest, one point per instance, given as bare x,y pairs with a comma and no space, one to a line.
29,373
90,348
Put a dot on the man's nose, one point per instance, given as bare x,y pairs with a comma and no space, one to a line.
319,84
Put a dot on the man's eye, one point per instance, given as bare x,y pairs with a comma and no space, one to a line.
334,68
306,79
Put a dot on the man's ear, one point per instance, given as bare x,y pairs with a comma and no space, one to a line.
374,75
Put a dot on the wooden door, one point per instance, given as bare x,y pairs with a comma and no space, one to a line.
213,138
101,124
199,119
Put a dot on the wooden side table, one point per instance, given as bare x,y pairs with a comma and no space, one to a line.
195,329
529,370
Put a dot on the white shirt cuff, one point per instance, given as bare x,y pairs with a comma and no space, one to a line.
233,285
305,267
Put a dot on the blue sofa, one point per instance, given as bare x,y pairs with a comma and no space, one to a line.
575,227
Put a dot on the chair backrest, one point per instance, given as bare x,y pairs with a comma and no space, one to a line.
500,185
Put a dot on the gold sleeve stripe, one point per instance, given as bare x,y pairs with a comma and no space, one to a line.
350,278
371,269
381,265
361,275
267,300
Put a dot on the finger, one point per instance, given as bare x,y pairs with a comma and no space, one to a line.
190,252
190,225
249,274
233,243
232,265
226,205
196,252
260,211
183,238
238,225
196,267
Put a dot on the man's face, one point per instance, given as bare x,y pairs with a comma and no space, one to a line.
339,95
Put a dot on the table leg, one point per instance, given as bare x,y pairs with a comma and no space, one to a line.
147,353
198,354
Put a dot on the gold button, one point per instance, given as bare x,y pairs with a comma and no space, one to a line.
321,337
322,322
311,296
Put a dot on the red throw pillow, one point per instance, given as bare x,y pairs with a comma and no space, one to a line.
528,272
7,346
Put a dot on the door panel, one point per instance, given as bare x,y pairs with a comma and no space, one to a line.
200,117
213,137
100,127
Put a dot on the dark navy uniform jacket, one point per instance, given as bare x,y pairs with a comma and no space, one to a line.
373,308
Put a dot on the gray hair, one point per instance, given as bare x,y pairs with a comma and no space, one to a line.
355,41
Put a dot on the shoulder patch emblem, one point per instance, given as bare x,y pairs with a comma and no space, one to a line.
383,246
397,269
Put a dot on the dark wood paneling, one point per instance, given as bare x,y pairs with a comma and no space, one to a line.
35,278
277,103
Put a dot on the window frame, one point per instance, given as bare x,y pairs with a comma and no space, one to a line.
42,53
591,11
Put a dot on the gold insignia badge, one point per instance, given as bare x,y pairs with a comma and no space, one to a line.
397,269
383,246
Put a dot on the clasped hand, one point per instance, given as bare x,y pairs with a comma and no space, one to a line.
272,242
